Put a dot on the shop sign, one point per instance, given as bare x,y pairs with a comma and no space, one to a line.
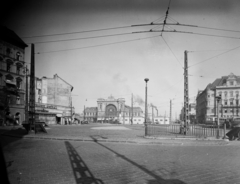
46,106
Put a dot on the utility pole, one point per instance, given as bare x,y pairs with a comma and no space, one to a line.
152,115
132,111
26,99
32,91
71,108
164,117
84,113
186,97
170,120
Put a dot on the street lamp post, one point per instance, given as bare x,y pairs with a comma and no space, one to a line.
218,99
146,110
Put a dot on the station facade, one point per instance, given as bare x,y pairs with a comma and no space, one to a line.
114,110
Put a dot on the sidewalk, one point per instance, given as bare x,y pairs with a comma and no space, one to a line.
105,133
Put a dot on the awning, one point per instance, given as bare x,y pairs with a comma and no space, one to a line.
10,82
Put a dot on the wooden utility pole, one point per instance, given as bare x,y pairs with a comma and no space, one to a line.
32,90
186,97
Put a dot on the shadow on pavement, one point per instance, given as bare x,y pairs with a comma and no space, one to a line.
81,172
157,180
4,141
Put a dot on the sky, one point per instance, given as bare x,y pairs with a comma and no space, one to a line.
116,61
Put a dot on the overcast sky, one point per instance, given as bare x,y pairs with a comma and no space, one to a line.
97,68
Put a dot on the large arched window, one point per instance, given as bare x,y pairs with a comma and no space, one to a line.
111,110
9,77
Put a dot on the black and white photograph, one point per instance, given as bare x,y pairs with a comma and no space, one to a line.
120,91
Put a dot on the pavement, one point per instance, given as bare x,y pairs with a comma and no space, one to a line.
115,154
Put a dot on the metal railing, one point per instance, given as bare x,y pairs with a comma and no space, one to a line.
198,130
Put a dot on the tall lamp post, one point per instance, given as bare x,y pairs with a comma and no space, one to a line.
218,99
146,110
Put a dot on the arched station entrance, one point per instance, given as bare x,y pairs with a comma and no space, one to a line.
111,112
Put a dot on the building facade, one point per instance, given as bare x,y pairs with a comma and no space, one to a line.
12,77
112,109
161,120
207,108
53,100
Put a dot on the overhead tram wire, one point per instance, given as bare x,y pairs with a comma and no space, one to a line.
186,25
87,31
185,32
172,51
63,50
84,38
214,56
94,30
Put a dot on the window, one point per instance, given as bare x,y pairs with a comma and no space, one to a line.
225,102
19,83
1,80
225,111
18,55
39,100
231,93
8,67
231,102
231,83
18,100
8,51
225,93
237,102
39,92
19,66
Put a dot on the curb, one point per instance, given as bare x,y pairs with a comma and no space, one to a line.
146,141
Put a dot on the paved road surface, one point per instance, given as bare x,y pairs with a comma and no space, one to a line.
31,161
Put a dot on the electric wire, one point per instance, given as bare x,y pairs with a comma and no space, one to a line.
171,51
184,32
76,32
92,37
97,45
214,56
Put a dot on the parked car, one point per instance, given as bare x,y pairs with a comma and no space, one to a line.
84,122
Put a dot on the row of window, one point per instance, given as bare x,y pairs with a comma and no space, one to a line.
11,79
226,110
225,94
10,52
126,114
10,67
228,102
